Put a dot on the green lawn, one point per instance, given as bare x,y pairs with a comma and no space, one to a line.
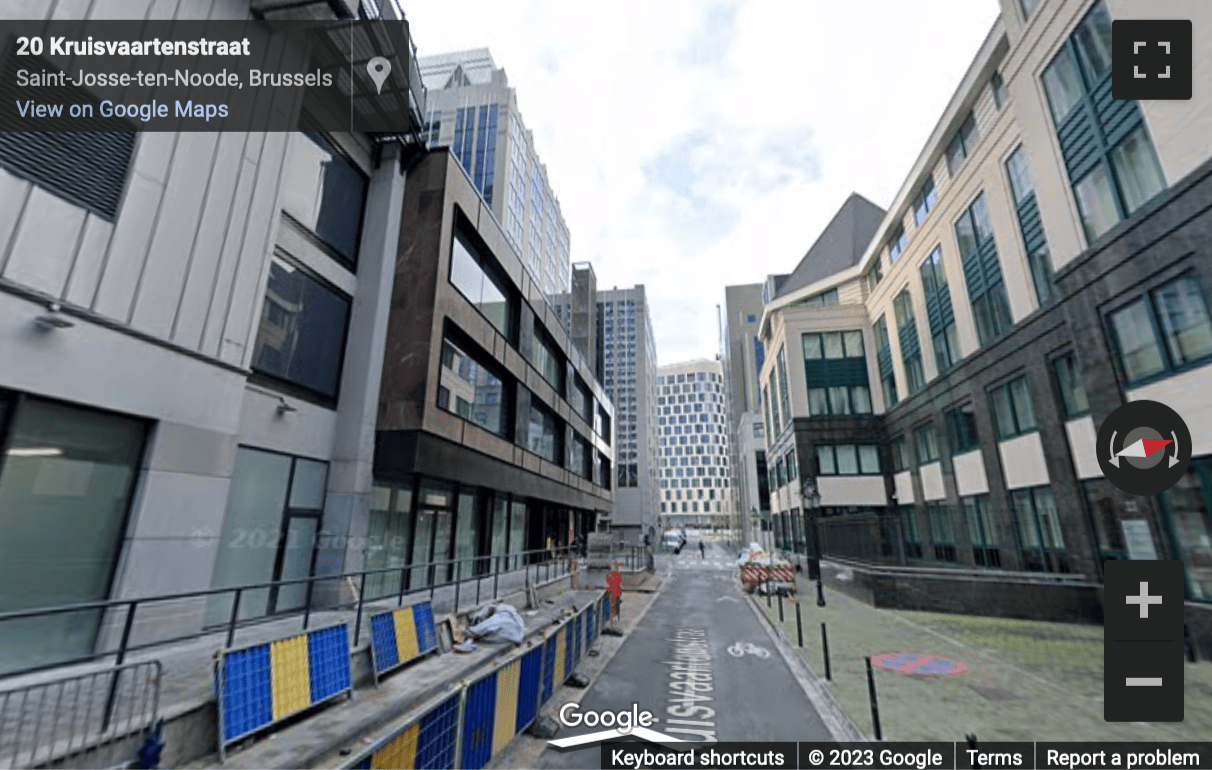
1026,680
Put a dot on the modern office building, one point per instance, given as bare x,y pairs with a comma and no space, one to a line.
696,485
474,111
191,339
1045,261
628,359
743,356
493,435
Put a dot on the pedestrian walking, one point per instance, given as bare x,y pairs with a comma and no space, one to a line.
614,587
702,550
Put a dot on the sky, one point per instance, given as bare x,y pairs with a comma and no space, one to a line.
698,144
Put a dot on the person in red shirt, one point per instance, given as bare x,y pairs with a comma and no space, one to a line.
614,587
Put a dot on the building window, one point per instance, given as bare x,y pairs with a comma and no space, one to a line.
547,359
1013,413
1028,7
962,144
67,476
924,201
1039,529
824,299
480,281
1176,312
544,432
269,532
982,271
897,243
1069,385
911,353
486,151
939,311
961,429
900,454
913,535
1034,241
326,193
301,339
942,531
1186,508
999,90
848,460
1063,85
835,369
1110,182
874,275
578,457
784,391
884,356
925,438
470,389
981,531
601,424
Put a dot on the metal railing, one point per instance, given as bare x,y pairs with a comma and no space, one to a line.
533,567
95,719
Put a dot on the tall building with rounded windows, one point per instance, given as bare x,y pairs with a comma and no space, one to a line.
692,424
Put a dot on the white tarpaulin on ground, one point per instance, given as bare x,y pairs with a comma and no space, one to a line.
505,621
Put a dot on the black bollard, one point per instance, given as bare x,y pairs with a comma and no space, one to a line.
768,599
875,704
825,650
780,606
799,626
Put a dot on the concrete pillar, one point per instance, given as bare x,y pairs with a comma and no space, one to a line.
351,473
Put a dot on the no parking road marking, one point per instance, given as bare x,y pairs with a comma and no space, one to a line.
918,663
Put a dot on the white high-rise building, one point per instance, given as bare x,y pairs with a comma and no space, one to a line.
472,109
692,422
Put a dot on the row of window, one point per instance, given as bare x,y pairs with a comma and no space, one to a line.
481,281
473,388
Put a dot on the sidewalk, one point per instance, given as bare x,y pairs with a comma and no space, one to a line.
1025,680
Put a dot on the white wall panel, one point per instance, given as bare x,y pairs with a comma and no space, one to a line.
1023,461
90,260
92,365
249,288
213,230
1187,394
932,482
45,243
852,490
13,191
176,227
1082,446
903,482
229,259
128,248
307,432
970,478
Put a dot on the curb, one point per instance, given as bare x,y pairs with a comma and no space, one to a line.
836,721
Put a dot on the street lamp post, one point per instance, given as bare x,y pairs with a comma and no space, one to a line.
812,504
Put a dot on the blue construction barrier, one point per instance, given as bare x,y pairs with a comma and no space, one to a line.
428,742
259,685
401,635
493,710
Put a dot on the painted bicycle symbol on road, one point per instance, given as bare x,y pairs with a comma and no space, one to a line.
740,649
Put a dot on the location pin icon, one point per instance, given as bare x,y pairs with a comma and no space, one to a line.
378,68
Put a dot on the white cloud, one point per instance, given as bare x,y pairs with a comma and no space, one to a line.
696,145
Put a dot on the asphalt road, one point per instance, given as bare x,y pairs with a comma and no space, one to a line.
677,665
